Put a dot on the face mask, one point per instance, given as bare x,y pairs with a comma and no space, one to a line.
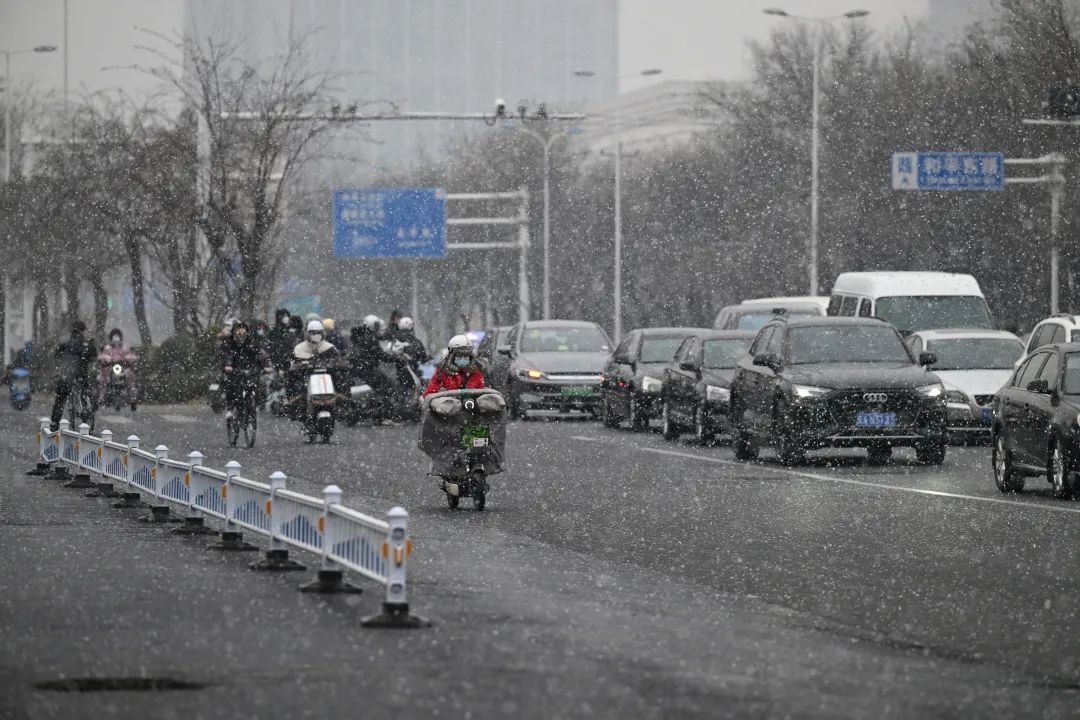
115,341
285,321
260,333
315,338
462,362
240,337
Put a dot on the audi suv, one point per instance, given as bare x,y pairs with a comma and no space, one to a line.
814,383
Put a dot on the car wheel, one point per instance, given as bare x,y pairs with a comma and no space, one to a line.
931,453
1005,476
637,420
787,447
1057,473
670,429
879,454
607,416
702,433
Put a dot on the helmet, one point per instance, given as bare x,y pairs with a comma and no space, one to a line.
328,323
315,332
460,352
312,316
406,323
372,323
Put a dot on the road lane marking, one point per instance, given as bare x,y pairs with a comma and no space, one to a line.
844,481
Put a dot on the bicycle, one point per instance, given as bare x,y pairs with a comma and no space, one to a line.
82,405
244,410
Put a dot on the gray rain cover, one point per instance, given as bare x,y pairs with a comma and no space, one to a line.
441,435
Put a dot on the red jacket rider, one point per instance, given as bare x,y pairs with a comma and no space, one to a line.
459,370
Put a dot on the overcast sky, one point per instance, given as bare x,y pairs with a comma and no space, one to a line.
688,39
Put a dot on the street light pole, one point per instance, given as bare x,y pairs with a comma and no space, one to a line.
7,101
815,133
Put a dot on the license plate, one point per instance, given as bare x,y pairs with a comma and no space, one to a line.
577,392
987,416
475,436
875,419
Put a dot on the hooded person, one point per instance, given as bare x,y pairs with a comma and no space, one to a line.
281,339
116,353
241,359
75,359
459,370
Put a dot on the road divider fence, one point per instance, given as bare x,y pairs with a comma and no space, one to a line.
342,538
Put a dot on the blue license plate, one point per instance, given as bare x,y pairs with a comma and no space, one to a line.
987,416
875,419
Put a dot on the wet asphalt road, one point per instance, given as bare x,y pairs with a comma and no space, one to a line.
617,575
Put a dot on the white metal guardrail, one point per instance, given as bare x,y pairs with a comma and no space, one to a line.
343,538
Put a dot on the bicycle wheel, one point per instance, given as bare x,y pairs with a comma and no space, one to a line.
250,422
89,409
232,430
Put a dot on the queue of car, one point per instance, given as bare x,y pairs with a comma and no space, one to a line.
888,359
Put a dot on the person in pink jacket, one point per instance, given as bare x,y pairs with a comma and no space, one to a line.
116,354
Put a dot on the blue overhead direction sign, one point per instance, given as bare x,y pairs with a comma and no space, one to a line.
948,171
390,223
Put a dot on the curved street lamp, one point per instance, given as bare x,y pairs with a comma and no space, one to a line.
812,244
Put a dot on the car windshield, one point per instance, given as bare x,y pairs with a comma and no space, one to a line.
724,354
845,344
930,312
660,349
976,353
564,339
757,320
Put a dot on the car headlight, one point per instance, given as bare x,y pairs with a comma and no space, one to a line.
526,374
806,392
1078,421
717,394
932,391
650,384
956,397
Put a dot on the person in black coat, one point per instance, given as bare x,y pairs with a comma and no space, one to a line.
76,358
241,359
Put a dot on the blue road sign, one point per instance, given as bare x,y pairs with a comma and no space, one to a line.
948,171
390,223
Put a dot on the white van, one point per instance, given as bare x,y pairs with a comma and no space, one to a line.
753,314
912,300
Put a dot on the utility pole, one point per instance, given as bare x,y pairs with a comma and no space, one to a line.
1054,178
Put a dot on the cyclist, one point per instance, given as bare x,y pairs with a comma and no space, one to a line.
241,360
75,360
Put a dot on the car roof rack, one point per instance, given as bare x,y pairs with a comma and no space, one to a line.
1064,315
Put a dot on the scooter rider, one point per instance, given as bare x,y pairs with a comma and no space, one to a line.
314,350
459,370
116,354
240,358
366,354
413,349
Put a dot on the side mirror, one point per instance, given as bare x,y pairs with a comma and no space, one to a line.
927,358
768,360
504,350
690,366
1040,387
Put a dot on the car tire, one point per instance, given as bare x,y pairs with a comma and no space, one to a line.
931,453
607,417
743,446
1007,479
670,429
789,450
634,417
702,433
879,454
1057,473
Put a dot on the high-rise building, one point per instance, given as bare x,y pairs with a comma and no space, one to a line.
431,55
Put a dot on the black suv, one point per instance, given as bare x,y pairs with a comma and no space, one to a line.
836,382
1037,421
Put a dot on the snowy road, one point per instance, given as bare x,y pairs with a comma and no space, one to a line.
613,575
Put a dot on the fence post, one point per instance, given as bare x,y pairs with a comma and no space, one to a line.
104,485
82,479
232,540
59,470
277,557
129,499
159,513
194,521
396,551
41,467
331,578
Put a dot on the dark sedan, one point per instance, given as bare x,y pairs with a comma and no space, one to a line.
1037,421
836,382
696,394
633,377
555,365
